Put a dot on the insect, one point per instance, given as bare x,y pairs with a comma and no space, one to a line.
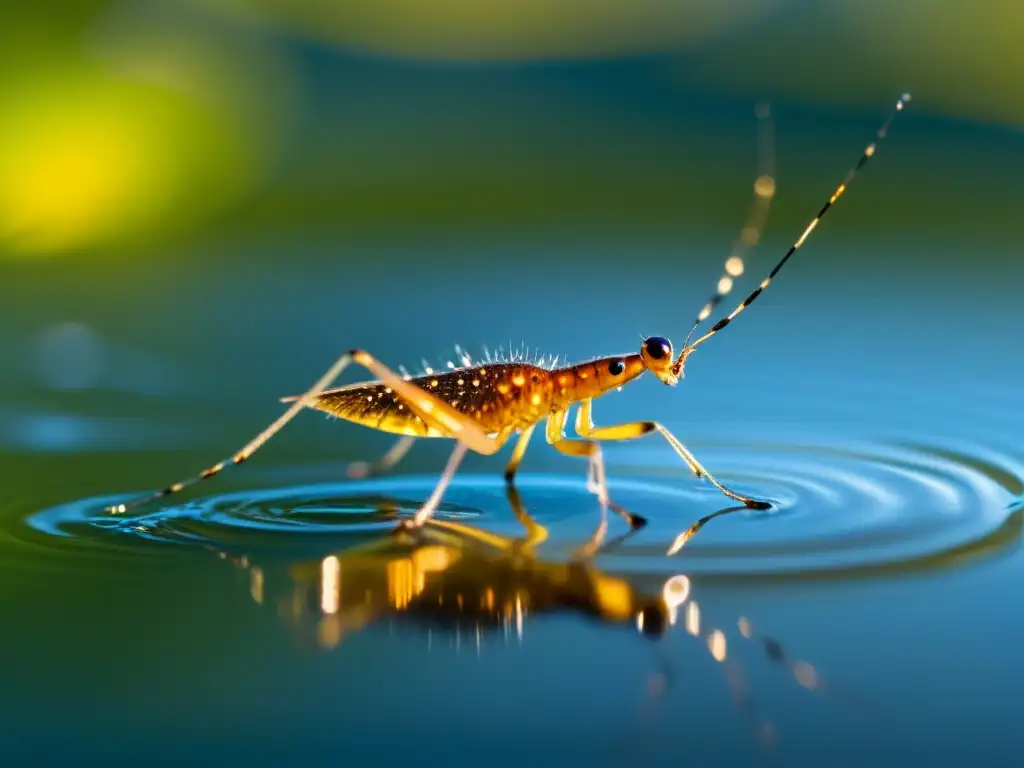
481,407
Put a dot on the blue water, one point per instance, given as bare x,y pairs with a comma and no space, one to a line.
272,615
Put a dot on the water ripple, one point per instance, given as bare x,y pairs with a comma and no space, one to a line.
851,508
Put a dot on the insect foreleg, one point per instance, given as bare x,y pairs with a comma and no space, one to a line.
517,454
591,450
635,429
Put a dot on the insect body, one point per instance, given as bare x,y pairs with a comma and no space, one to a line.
482,406
504,399
498,397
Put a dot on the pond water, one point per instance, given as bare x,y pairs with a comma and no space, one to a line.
271,615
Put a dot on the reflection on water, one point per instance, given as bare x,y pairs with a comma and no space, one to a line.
465,588
890,567
553,595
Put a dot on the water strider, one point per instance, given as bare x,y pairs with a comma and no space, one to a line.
482,406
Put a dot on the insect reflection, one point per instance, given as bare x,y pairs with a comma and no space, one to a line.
467,587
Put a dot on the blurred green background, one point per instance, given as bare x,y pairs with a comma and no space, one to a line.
128,129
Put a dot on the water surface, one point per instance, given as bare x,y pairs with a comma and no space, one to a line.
271,615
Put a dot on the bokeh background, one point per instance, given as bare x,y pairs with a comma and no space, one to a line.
213,193
137,130
203,202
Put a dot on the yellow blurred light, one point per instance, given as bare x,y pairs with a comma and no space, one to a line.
76,171
329,632
402,586
144,137
433,558
88,158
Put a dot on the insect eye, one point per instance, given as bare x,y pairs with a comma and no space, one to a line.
658,348
616,367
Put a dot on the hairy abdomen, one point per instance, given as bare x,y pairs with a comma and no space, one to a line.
498,397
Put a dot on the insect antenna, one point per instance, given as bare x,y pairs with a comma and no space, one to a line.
868,153
764,191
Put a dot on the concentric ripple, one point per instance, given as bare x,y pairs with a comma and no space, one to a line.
852,507
836,509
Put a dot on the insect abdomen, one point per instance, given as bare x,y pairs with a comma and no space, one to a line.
498,397
374,405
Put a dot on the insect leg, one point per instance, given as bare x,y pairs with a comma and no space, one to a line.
517,454
424,512
633,430
253,445
432,410
591,450
360,469
535,532
467,433
430,505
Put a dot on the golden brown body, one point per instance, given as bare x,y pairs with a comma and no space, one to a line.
500,397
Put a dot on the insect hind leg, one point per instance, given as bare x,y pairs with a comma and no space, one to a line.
252,446
435,412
